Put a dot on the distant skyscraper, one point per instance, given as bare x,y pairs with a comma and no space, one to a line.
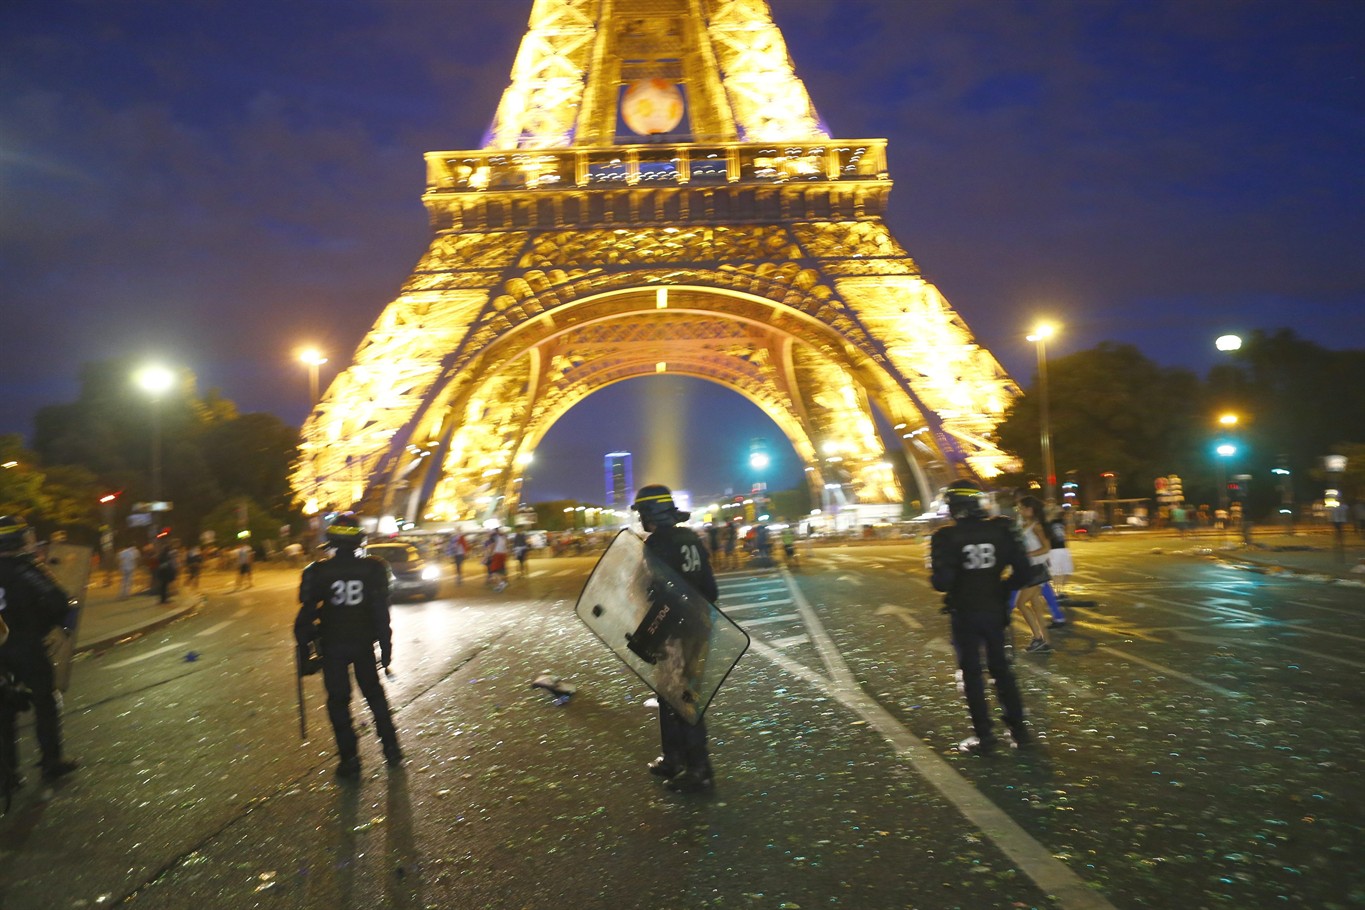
620,484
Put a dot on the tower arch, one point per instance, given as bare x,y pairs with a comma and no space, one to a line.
748,250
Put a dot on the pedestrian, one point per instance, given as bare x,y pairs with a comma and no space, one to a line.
789,544
1060,565
1177,519
165,573
731,539
194,565
685,764
345,611
127,565
496,557
33,605
521,548
1036,546
244,560
968,561
458,549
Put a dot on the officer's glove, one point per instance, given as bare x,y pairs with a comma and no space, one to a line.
947,607
309,660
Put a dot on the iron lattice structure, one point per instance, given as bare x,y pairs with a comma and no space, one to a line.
748,249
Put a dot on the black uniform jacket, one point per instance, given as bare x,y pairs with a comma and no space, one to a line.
348,596
33,603
683,550
969,558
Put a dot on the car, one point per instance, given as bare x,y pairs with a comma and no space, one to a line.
409,573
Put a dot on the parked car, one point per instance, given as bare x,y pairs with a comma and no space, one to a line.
409,572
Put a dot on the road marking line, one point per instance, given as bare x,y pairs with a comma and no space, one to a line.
759,603
214,628
1169,671
768,620
734,608
150,654
1067,889
240,613
781,643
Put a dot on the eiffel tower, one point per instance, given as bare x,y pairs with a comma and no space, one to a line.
656,194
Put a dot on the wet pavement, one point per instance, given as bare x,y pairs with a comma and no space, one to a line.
1197,731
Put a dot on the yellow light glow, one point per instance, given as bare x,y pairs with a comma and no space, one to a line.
661,367
1228,420
1042,332
154,379
312,357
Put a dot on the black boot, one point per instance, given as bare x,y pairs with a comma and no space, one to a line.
349,768
53,771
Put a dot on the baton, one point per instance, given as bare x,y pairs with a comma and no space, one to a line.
298,685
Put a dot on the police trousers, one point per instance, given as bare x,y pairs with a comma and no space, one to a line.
975,631
339,661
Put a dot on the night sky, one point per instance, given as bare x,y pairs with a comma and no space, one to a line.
215,183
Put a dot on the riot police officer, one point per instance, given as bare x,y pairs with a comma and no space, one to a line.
685,763
33,604
969,558
345,611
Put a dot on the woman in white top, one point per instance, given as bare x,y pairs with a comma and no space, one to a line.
1036,543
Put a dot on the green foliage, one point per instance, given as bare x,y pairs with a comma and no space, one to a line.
209,452
226,522
21,484
1112,409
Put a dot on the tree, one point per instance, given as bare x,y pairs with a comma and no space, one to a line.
209,452
21,482
1111,409
1296,401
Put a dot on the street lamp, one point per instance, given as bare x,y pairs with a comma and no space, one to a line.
313,358
1228,342
1041,333
155,380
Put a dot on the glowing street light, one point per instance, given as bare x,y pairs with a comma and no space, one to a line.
1228,342
156,380
313,359
1041,333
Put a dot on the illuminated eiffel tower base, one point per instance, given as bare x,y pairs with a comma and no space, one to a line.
656,194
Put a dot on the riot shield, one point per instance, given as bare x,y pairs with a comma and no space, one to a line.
70,565
671,636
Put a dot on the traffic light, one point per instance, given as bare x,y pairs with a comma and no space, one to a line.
1236,492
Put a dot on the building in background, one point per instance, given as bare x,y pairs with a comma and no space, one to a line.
620,483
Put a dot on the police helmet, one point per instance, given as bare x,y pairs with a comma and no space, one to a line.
15,534
964,499
655,504
345,532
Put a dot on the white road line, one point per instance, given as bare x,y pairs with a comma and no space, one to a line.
781,643
141,657
735,608
1170,671
769,620
218,627
1036,861
776,601
240,613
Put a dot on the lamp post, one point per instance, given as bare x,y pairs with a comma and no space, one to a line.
155,380
1041,333
313,359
